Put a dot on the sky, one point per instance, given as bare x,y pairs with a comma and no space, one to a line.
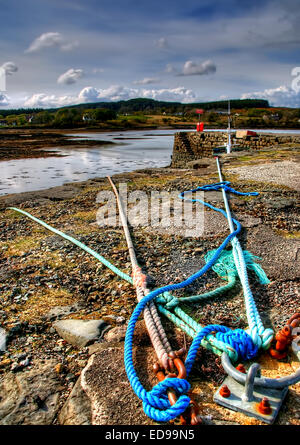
62,52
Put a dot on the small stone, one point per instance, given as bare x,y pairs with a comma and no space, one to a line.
5,362
116,334
25,362
59,368
81,363
80,332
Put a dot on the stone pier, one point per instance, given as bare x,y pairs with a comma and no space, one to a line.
191,146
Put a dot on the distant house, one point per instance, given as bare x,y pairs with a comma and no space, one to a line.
275,117
3,122
87,118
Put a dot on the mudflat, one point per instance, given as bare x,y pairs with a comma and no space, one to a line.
31,143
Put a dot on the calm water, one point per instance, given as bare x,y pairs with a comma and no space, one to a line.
132,150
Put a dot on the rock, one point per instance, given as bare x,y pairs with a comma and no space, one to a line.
116,334
58,193
59,368
120,320
280,203
5,362
105,382
77,409
20,393
60,311
95,347
80,332
198,163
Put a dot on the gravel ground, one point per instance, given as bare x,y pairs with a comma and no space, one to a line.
39,271
278,172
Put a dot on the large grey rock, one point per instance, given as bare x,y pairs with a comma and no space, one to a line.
80,332
59,193
104,380
30,397
77,409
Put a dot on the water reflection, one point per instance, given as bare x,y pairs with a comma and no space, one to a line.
134,149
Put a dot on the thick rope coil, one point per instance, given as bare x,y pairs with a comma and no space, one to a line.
240,340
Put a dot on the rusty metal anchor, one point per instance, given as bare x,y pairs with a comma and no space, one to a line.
284,338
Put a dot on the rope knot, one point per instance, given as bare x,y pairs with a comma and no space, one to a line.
240,341
156,404
173,302
167,300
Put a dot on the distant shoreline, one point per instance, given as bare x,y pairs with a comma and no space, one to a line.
24,143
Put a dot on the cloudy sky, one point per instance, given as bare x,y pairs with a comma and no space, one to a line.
60,52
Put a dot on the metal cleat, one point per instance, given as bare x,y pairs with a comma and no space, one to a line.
251,394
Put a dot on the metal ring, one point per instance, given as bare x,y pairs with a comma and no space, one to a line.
282,382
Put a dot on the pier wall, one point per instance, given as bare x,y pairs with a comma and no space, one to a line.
191,146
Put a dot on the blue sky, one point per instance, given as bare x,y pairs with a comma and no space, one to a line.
60,52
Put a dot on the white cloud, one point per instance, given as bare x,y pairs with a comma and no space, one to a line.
4,101
50,40
179,94
283,96
117,92
113,93
71,76
42,100
162,43
88,94
191,68
9,68
146,81
170,69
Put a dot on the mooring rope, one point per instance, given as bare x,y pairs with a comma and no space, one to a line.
82,246
155,329
238,342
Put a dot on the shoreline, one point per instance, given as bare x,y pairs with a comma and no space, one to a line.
37,143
